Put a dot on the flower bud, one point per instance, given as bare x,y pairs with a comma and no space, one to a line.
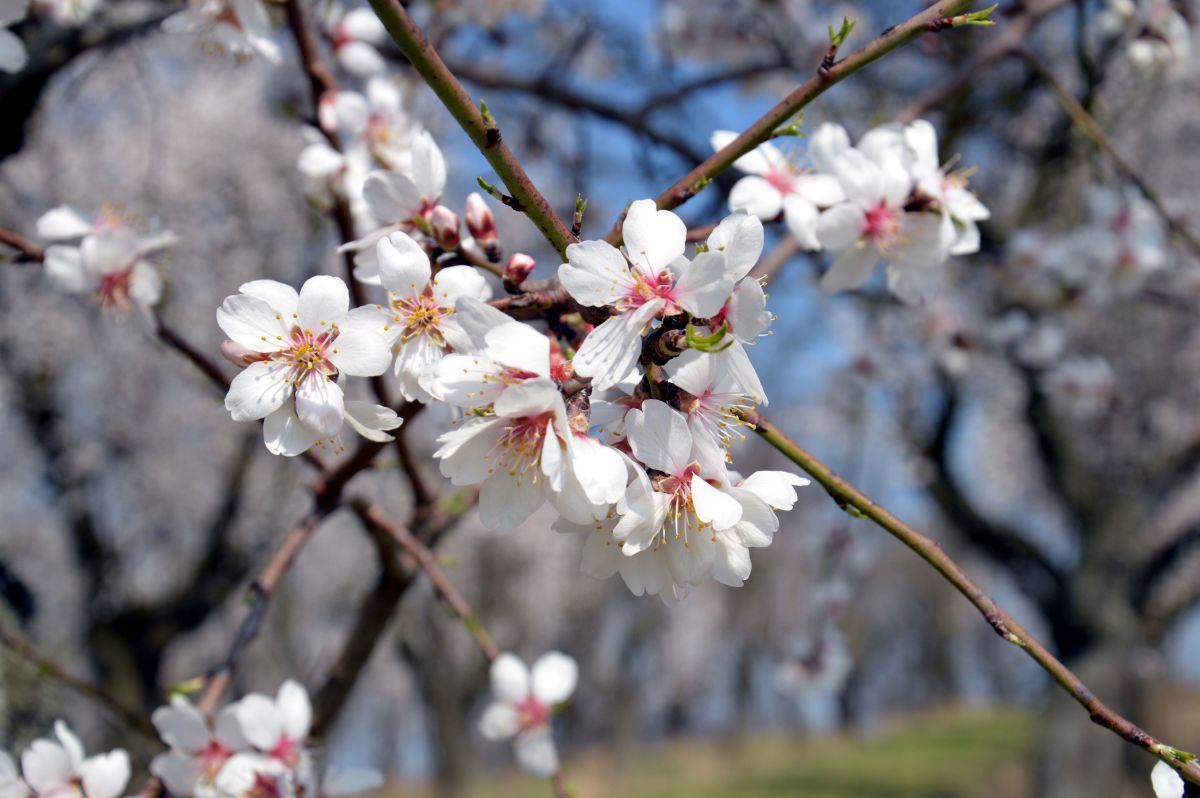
444,223
480,222
518,269
237,354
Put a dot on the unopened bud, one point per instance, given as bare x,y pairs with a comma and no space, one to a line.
480,221
237,354
444,224
518,269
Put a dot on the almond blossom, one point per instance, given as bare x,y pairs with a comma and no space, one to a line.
650,278
240,27
523,704
197,752
418,320
59,769
112,265
774,185
295,346
948,190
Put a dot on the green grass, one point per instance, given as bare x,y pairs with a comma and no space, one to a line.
949,754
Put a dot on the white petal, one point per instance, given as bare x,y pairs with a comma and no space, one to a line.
106,775
284,434
713,506
520,347
63,222
361,59
851,269
509,678
476,319
181,725
659,437
455,282
370,420
506,501
179,772
596,273
776,488
747,311
295,711
45,764
528,398
282,298
403,264
704,285
535,752
253,323
740,237
391,196
319,404
554,678
360,348
260,722
731,563
1166,781
840,226
429,168
819,189
319,161
611,350
258,390
499,721
64,267
801,216
653,238
826,145
324,300
466,453
690,562
756,196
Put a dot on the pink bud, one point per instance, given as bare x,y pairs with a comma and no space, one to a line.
237,354
519,267
444,223
480,221
327,115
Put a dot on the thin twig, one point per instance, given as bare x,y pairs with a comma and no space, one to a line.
891,39
486,137
128,717
1087,125
372,516
27,251
856,503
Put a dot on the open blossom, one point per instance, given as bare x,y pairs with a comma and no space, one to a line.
112,265
295,347
524,702
399,199
947,189
12,50
197,752
355,35
59,769
774,185
873,225
650,278
240,27
419,319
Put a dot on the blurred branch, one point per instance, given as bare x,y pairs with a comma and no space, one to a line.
1087,125
27,251
128,717
856,503
484,134
892,39
373,517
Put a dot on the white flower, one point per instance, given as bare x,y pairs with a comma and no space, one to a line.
873,224
298,344
112,265
279,726
253,775
651,278
947,189
523,703
398,198
355,35
773,184
240,27
11,783
12,50
512,353
1166,781
419,321
197,752
521,453
59,769
711,395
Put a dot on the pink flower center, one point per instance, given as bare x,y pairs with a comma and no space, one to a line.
308,354
647,288
264,786
212,757
114,288
681,521
781,180
421,314
287,751
532,713
519,449
881,224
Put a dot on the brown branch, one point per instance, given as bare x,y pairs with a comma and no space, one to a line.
128,717
27,251
372,516
485,135
891,39
853,501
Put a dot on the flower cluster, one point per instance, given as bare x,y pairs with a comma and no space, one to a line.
105,257
239,27
255,747
888,198
1159,37
58,768
523,703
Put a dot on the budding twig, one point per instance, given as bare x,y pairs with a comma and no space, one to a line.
27,251
760,131
851,499
577,217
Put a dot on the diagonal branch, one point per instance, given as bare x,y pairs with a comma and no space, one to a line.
853,501
787,108
486,137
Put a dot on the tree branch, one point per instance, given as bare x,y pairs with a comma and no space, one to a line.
856,503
